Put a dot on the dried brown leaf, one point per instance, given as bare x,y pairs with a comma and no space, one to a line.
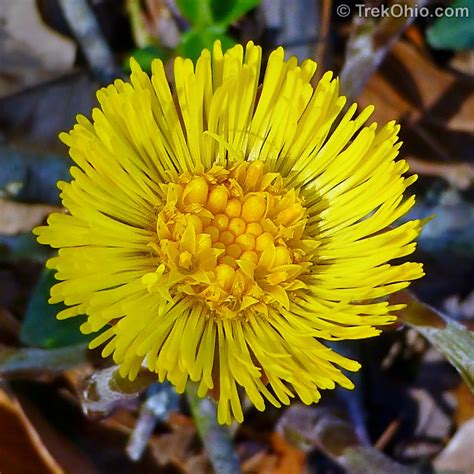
17,218
370,41
463,61
21,448
465,403
337,438
410,86
174,448
435,107
458,455
31,52
105,390
291,459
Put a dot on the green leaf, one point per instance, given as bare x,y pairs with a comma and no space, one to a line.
40,326
456,30
194,41
197,12
29,361
206,13
145,56
226,13
452,339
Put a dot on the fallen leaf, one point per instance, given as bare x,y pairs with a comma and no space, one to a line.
463,61
23,116
369,43
434,106
459,175
267,464
21,448
421,91
262,461
465,403
31,52
291,459
198,464
174,448
105,390
105,441
65,452
29,176
368,460
336,438
461,308
433,419
451,338
10,289
458,455
17,218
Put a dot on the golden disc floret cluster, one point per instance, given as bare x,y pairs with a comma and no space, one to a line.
232,238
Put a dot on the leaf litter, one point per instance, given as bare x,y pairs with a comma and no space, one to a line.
411,408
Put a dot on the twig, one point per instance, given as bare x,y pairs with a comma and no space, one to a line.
86,30
367,47
216,438
163,400
320,53
387,435
141,433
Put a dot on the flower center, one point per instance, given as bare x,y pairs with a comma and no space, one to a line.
232,239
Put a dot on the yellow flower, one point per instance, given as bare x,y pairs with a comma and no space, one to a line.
220,233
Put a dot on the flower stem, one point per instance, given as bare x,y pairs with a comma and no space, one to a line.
216,438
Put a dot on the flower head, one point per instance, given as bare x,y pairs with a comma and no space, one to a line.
221,233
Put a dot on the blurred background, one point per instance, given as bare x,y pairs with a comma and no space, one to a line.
62,408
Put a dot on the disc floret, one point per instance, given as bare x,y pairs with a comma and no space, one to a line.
231,238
